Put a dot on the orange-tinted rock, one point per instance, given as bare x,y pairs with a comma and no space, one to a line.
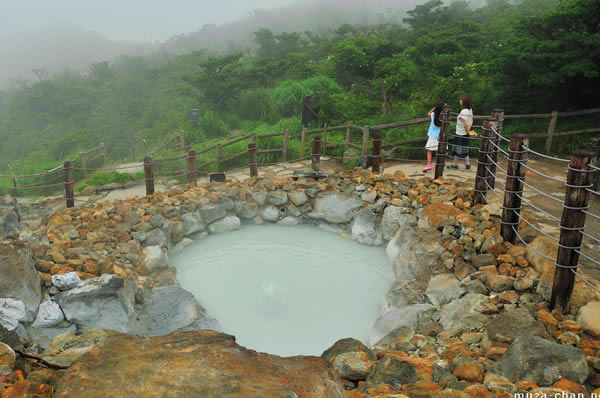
526,385
571,326
391,353
547,320
469,372
477,391
504,268
495,352
509,297
435,214
197,363
570,386
27,389
355,394
383,389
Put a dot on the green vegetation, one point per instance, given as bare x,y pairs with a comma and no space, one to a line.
527,56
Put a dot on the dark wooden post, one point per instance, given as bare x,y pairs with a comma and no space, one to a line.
483,174
69,183
14,181
286,140
252,160
148,176
218,158
515,175
303,139
365,144
182,140
498,125
316,152
191,167
572,223
349,133
551,128
440,159
376,153
324,144
253,138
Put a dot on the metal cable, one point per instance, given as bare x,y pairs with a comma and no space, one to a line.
539,172
578,251
590,236
538,191
591,214
545,156
585,281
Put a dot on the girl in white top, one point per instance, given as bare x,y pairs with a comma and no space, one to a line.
463,127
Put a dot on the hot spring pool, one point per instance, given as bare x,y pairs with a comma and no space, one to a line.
286,290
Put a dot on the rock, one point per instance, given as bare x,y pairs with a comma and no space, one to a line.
227,203
335,208
347,345
396,339
500,283
43,336
499,385
411,315
229,223
12,312
193,223
353,365
245,209
469,371
412,257
11,338
175,232
157,221
484,259
277,198
270,213
589,318
67,347
298,198
288,221
19,279
369,196
506,327
543,245
156,237
260,197
9,221
167,309
443,289
438,214
542,362
393,218
7,356
49,315
391,371
155,257
363,228
212,213
194,364
475,286
464,313
67,281
27,389
491,241
104,303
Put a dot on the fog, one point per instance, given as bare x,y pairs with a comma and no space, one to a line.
52,35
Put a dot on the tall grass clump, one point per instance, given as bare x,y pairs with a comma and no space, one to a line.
212,125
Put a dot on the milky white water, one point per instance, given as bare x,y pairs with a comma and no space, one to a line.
286,290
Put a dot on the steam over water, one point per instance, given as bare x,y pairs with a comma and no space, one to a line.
286,290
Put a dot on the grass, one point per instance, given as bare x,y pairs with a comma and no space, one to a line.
101,178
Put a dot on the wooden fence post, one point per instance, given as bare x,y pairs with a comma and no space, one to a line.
148,176
69,183
572,223
483,164
103,149
551,129
82,163
182,140
515,174
191,167
218,158
14,181
316,152
303,139
376,153
349,133
324,144
440,159
252,160
365,144
498,125
286,140
253,138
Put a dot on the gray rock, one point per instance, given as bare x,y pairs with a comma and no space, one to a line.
49,315
410,315
67,281
542,362
229,223
289,220
260,197
157,221
391,371
378,206
43,336
12,311
443,289
105,303
140,236
156,237
506,327
335,208
293,210
277,198
484,259
18,277
490,241
9,222
10,338
271,213
369,196
155,257
227,203
353,365
305,208
311,192
475,286
193,223
464,313
246,209
298,198
212,213
392,219
347,345
167,309
412,257
395,339
363,228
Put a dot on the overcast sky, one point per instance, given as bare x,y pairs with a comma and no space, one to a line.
138,20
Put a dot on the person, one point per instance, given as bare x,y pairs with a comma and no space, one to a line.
464,122
433,134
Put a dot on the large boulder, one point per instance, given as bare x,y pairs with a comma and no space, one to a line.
212,213
229,223
464,313
589,318
506,327
194,364
337,208
193,223
363,228
393,218
9,221
412,254
391,371
67,347
411,315
104,303
443,289
166,309
12,311
19,278
534,359
347,345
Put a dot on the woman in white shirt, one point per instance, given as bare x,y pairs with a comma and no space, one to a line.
463,127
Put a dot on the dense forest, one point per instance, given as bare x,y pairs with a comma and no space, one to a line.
525,56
